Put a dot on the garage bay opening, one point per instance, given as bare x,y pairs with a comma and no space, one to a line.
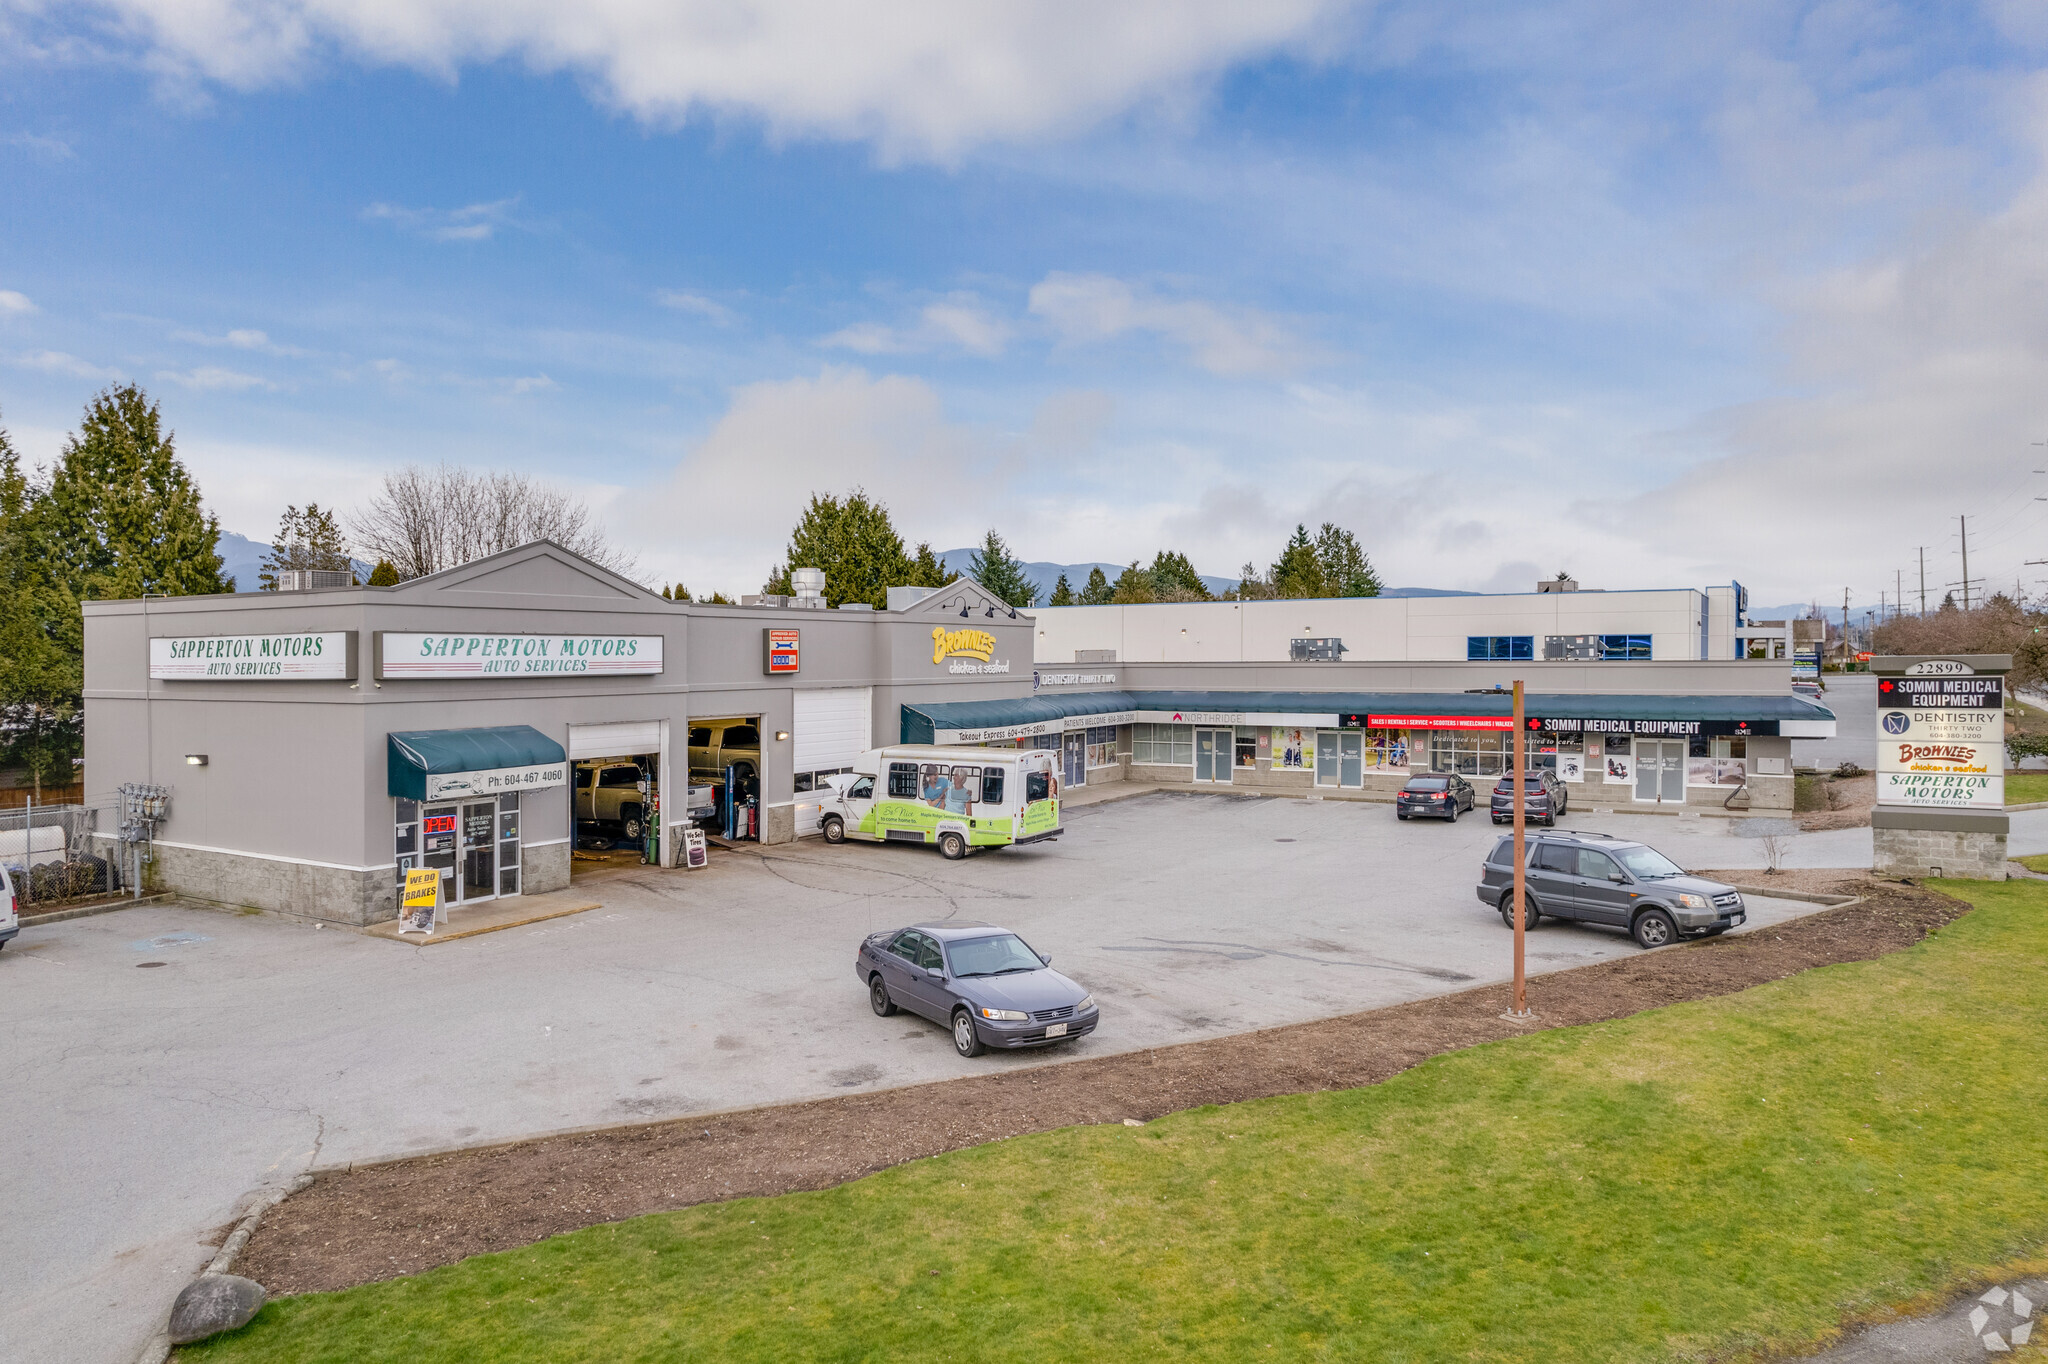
615,794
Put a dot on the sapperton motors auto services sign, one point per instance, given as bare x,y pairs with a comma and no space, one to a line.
407,655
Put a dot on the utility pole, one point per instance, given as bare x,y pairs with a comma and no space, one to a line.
1898,592
1923,580
1845,629
1521,1006
1965,523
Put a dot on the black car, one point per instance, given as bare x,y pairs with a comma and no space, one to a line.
978,981
1543,797
1439,795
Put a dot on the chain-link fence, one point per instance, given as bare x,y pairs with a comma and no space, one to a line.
54,856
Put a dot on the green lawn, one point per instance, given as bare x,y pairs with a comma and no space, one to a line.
2024,788
1699,1181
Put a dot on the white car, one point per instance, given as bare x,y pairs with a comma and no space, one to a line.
10,920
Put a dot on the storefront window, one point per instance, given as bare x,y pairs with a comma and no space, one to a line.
1484,754
1386,750
1163,745
1293,749
1500,646
1625,646
1246,746
1102,746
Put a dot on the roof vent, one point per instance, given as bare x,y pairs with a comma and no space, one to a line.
313,579
1558,584
809,586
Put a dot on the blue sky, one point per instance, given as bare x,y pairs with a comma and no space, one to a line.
1658,298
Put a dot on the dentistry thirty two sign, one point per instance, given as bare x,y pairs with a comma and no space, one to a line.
444,656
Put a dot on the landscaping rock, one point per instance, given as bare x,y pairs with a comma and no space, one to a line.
213,1303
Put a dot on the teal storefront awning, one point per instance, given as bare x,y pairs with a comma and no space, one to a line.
438,764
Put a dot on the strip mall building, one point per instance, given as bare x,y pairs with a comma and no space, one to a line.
316,745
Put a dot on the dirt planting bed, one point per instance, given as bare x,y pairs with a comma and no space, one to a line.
378,1222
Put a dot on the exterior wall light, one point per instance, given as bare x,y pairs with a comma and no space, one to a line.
781,736
195,760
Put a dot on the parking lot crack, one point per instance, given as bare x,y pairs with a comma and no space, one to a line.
1244,951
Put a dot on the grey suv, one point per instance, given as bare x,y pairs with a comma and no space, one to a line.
1599,879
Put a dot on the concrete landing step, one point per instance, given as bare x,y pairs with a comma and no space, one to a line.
490,917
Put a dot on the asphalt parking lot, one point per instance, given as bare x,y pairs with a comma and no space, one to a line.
145,1102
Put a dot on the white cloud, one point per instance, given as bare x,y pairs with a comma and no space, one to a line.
40,147
533,383
959,322
58,362
721,519
471,223
213,378
703,307
1089,309
239,338
14,303
923,77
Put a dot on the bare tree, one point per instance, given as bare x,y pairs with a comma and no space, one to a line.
425,520
1774,852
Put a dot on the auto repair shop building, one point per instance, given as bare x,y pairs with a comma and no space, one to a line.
318,744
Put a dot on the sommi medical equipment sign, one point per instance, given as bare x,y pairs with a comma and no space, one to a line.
258,658
407,655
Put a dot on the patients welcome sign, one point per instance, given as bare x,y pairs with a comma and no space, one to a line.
430,656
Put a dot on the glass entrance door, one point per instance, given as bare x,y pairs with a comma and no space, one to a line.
1074,758
1660,770
1212,755
479,879
1351,758
1328,768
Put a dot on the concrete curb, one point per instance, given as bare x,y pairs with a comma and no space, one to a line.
223,1262
1804,896
2030,805
58,916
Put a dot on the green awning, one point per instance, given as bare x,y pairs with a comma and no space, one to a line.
439,764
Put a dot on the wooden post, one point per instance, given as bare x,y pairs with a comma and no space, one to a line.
1521,1009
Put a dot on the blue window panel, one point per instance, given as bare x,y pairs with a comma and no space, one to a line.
1625,647
1479,647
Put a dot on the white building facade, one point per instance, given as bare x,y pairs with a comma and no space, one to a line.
1663,625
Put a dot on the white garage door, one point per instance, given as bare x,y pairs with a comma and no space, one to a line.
831,731
615,741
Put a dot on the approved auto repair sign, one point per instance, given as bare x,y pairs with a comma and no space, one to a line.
1941,742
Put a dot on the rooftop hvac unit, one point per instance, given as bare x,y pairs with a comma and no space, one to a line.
312,579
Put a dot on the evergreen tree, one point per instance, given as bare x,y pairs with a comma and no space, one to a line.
121,516
925,568
1347,572
1252,585
1097,591
1175,579
854,542
665,593
718,599
1298,572
1001,572
385,574
682,593
309,539
40,707
1134,587
1062,593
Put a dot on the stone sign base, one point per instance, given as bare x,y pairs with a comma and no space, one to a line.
1923,843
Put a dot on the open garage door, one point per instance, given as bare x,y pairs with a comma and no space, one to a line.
832,729
616,794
